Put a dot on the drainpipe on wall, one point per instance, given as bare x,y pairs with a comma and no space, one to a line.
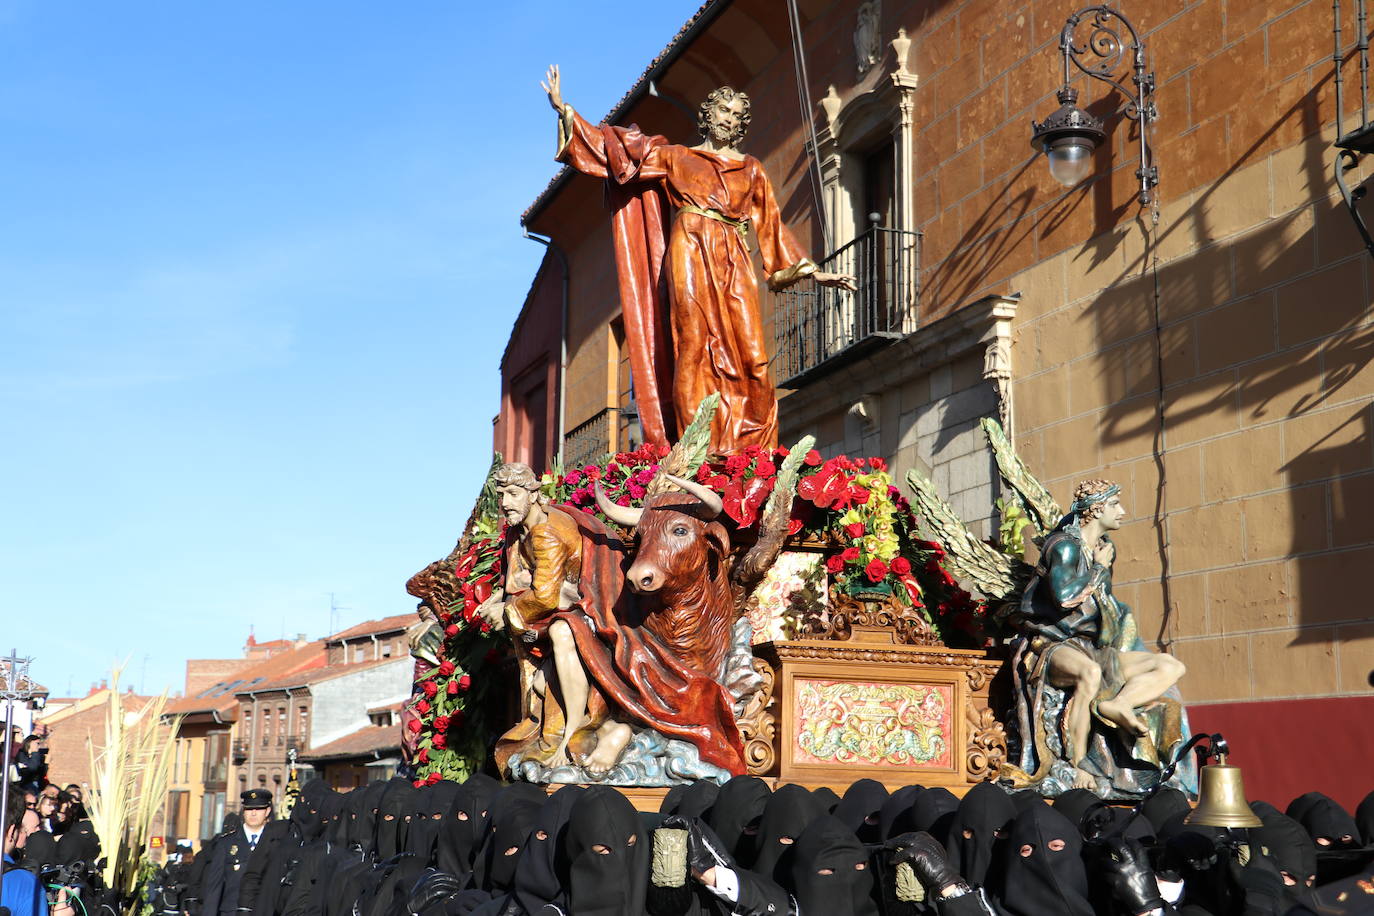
376,649
562,340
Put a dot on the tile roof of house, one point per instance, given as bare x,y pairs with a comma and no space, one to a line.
317,673
369,627
221,696
367,740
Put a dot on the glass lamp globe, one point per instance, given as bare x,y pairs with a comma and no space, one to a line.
1071,159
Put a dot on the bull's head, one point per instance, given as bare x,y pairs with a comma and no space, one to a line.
678,541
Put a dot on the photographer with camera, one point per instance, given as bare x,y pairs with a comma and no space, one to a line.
22,893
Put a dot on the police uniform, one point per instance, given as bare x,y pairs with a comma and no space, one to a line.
224,874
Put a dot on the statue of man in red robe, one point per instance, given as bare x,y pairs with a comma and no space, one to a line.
688,292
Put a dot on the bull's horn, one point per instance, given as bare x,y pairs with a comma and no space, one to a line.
624,516
710,499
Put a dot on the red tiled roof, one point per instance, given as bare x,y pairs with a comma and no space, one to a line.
369,627
286,663
316,673
388,707
367,740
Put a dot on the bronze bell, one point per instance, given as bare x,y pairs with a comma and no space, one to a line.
1221,798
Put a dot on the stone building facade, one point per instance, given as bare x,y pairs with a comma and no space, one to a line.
1214,358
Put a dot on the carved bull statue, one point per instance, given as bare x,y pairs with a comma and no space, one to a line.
683,571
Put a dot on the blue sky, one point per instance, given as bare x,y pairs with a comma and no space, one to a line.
257,266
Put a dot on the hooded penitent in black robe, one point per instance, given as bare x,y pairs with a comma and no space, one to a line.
1041,870
979,831
787,813
830,871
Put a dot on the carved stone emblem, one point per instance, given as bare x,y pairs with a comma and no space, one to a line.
867,47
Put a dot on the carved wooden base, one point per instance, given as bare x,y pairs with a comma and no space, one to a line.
875,705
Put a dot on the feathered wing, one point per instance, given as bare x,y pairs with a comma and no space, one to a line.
993,572
1043,511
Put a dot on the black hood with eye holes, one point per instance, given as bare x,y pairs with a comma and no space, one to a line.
860,807
827,845
542,874
736,814
1047,882
973,833
509,820
612,882
786,814
464,825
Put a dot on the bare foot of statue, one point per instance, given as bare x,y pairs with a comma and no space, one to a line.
1082,779
559,757
611,740
1123,716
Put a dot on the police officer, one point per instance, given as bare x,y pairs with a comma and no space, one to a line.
224,873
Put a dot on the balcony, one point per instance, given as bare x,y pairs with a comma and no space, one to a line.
600,436
817,329
240,751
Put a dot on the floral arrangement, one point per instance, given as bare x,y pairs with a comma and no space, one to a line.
848,507
450,731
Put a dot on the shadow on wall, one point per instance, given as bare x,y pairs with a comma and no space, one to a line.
1263,353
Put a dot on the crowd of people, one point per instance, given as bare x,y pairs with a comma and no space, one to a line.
449,849
51,851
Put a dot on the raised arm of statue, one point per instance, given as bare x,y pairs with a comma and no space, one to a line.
624,154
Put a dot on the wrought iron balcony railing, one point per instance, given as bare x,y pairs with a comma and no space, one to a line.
600,436
817,329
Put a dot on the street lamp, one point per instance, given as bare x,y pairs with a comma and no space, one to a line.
17,688
1070,135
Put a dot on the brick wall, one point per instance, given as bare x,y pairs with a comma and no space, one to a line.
1252,490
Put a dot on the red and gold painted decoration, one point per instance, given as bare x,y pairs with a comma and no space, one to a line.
878,724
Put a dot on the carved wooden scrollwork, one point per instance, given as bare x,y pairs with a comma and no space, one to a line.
987,743
908,625
978,676
758,725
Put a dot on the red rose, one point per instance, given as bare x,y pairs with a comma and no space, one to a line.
835,563
440,741
877,464
859,494
441,723
430,688
793,526
445,617
452,688
433,778
486,627
901,566
850,555
446,669
813,458
764,469
876,570
855,530
464,683
419,783
413,725
423,756
455,719
451,630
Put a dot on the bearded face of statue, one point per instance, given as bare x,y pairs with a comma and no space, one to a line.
724,120
519,505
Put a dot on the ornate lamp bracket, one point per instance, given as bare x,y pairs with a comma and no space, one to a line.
1354,145
1109,36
